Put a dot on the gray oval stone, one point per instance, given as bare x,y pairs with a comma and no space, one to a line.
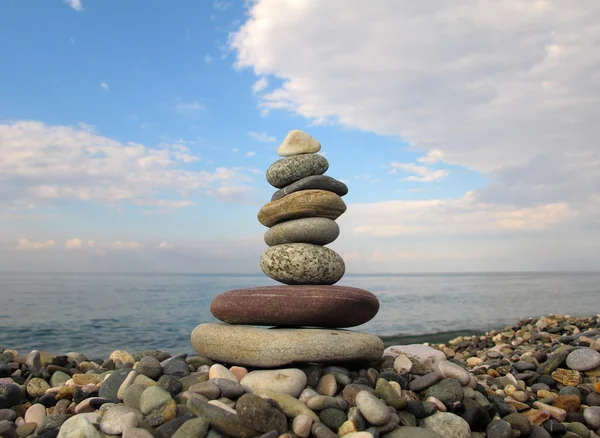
583,359
314,230
302,263
291,169
315,182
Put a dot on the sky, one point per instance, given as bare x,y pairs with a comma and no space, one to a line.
135,135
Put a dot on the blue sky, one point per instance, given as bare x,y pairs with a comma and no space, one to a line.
138,133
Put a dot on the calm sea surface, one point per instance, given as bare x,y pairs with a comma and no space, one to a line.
98,313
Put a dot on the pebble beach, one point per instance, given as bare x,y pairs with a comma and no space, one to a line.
537,378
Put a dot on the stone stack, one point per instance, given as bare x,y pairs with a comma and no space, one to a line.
301,220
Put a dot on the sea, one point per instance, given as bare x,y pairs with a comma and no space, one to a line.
96,314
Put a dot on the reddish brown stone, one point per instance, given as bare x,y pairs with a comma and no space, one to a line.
569,403
294,306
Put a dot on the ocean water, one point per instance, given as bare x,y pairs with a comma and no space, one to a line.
98,313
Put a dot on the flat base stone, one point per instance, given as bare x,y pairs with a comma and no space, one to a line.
295,306
275,347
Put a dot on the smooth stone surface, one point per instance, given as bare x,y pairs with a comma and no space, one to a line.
448,391
583,359
447,425
302,264
422,353
119,418
315,230
592,417
152,398
373,409
499,429
194,428
293,306
266,348
315,182
288,404
287,381
298,142
35,414
258,414
291,169
221,420
110,386
304,204
412,432
454,371
78,427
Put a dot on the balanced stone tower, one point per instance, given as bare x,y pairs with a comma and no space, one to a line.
306,312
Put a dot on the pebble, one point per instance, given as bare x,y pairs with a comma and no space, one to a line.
221,420
228,388
110,386
373,409
301,425
316,182
192,428
499,429
119,418
264,348
218,371
327,385
448,391
447,425
299,205
424,382
290,405
36,414
420,352
451,370
78,426
298,142
412,432
152,398
583,359
592,417
149,366
37,387
260,415
302,264
288,170
290,381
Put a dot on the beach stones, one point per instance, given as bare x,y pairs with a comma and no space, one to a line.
314,230
302,263
298,142
315,182
301,221
291,169
307,203
293,306
267,348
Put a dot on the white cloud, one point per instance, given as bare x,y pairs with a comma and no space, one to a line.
165,245
432,157
190,107
235,150
104,86
208,59
74,243
29,245
41,164
250,154
75,4
230,194
423,173
261,84
488,85
262,137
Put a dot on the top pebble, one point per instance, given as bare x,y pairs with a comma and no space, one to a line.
298,142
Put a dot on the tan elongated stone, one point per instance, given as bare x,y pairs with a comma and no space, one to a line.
268,348
298,142
298,205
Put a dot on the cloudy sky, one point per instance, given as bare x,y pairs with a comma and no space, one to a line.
134,136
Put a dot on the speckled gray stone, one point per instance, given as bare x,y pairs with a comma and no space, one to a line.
583,359
314,230
291,169
302,263
315,182
267,348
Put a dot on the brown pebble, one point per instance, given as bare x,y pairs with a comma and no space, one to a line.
569,403
567,377
327,385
